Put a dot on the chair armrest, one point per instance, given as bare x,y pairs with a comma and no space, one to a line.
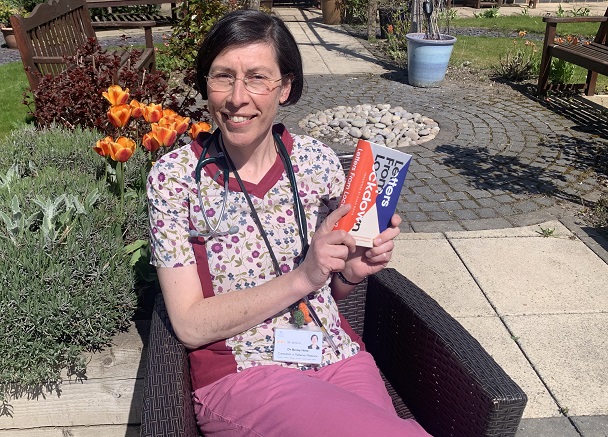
445,377
167,403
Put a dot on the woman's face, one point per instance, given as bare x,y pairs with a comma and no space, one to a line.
244,118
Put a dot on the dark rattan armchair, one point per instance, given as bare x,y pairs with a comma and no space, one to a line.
438,372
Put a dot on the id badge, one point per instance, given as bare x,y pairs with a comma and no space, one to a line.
293,345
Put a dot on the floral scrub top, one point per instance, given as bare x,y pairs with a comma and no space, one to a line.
236,261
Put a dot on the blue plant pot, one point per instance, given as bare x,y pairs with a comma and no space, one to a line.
427,59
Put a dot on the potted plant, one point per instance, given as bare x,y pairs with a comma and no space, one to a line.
332,11
6,10
429,50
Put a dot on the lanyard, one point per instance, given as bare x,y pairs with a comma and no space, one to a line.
301,218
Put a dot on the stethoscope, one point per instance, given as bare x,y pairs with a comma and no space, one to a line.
224,163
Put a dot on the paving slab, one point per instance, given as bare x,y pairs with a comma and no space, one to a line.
592,426
548,427
498,342
327,49
534,274
429,261
570,351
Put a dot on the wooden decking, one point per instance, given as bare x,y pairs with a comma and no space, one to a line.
107,404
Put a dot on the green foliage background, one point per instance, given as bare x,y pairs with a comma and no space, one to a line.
60,299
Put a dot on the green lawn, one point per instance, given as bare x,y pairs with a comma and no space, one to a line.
529,24
484,52
13,83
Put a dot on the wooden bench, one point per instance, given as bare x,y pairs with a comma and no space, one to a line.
112,17
56,29
478,4
592,56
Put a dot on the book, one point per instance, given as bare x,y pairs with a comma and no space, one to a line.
373,186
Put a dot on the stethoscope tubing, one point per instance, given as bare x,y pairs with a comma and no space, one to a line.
222,163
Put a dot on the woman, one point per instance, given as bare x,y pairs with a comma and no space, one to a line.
238,259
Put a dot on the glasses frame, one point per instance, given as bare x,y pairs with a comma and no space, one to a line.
245,84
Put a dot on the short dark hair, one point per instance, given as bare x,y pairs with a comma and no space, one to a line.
244,27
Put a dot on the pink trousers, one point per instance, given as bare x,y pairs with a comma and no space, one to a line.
347,398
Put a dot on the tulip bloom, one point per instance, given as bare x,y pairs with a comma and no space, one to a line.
165,136
150,142
116,95
122,149
199,127
175,122
153,113
136,109
103,147
119,115
170,113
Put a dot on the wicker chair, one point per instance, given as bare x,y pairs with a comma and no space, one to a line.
438,372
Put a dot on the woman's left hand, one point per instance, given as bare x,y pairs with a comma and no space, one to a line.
367,261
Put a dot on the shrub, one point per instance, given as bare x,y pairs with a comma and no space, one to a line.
520,63
66,285
355,11
74,97
561,71
488,13
197,18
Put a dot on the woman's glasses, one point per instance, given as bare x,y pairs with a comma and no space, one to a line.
255,83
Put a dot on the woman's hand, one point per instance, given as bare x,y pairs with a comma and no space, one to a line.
329,249
365,261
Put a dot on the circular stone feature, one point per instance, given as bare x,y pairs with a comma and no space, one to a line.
382,124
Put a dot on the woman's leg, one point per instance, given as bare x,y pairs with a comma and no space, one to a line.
275,401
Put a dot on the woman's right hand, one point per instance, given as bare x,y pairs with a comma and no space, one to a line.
328,250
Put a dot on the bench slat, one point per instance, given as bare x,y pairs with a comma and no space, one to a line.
56,29
592,57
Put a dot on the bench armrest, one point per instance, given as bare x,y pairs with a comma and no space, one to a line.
445,377
146,25
167,403
556,20
104,25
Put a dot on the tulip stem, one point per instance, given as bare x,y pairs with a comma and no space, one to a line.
120,178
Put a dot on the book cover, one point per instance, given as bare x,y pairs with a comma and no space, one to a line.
373,186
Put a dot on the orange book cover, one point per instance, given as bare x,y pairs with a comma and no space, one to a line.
372,187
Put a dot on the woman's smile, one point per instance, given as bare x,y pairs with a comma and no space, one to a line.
246,118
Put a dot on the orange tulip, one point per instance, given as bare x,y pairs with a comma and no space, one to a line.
136,109
123,149
169,113
165,136
199,127
150,142
116,95
119,115
175,122
103,147
152,112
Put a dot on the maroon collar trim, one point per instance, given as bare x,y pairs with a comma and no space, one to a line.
269,180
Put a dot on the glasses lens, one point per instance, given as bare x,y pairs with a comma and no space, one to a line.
222,82
257,85
253,84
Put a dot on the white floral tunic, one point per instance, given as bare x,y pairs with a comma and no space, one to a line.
240,260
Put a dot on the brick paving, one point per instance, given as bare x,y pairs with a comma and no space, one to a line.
502,159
